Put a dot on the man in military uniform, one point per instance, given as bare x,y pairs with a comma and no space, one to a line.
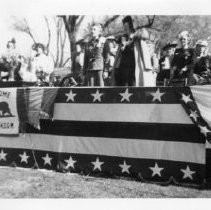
94,58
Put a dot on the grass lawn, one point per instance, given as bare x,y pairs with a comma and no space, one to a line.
30,183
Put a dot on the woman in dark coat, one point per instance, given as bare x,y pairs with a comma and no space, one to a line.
183,60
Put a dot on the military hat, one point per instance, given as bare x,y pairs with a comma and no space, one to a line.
110,38
170,45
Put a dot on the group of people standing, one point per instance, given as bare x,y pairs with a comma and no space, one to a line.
123,62
129,60
192,65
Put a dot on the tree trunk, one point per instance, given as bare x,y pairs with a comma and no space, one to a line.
72,49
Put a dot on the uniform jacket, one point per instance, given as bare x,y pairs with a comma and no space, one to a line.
94,57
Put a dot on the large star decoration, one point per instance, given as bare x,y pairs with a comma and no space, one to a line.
97,96
3,155
186,99
187,173
70,96
156,170
194,115
125,167
97,164
47,159
157,95
24,157
126,96
204,130
70,162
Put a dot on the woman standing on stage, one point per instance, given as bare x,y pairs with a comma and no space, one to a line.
183,60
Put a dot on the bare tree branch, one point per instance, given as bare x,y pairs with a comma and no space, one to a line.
110,20
62,41
149,23
58,28
73,20
66,61
49,34
66,23
80,21
22,26
29,30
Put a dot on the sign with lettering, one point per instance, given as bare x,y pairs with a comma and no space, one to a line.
9,123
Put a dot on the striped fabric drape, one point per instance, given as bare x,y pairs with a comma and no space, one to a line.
147,133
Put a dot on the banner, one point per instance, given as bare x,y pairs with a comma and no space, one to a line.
153,134
9,123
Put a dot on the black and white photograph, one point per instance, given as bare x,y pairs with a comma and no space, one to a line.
103,104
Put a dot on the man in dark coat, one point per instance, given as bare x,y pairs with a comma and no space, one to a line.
133,66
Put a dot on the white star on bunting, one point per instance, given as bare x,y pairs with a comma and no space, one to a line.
70,162
194,115
97,96
187,173
157,95
156,170
126,95
47,159
3,155
70,96
186,99
97,164
24,157
204,130
125,167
